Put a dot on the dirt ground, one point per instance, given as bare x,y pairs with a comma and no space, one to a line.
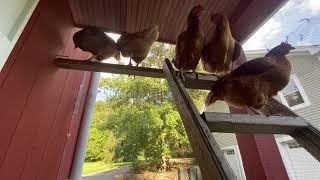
172,175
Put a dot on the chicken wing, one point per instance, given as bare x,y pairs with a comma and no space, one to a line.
95,41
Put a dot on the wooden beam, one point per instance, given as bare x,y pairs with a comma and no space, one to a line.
256,124
204,81
211,160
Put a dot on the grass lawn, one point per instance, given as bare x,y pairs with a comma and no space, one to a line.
93,167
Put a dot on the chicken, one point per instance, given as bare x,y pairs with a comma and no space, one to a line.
190,43
222,49
253,83
95,41
137,45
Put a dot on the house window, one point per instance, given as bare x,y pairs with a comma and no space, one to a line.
293,145
293,95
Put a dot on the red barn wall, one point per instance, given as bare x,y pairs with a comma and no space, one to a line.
41,105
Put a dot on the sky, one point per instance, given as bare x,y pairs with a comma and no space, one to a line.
282,23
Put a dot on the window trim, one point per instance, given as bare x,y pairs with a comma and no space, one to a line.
301,91
16,31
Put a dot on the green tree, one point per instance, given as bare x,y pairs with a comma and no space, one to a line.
144,119
97,148
139,119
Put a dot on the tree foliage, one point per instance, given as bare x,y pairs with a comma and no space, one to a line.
97,148
144,119
138,119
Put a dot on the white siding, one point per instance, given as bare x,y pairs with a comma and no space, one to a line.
299,163
233,157
307,69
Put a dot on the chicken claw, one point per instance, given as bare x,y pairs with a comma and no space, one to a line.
181,76
257,111
93,59
196,74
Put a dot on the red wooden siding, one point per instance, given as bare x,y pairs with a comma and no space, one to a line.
41,105
260,155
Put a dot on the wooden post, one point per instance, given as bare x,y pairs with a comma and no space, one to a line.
260,155
211,160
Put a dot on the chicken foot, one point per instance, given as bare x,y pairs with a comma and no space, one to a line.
181,75
196,74
93,59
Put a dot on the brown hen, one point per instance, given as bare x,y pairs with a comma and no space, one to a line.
137,45
190,43
222,49
253,83
95,41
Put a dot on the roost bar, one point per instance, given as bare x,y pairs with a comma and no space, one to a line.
42,105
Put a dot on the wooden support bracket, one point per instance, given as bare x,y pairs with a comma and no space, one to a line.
254,124
211,160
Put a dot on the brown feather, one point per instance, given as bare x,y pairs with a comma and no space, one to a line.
253,83
190,43
137,45
222,49
95,41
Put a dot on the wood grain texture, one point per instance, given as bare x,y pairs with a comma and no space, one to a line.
211,160
37,98
255,124
204,81
171,15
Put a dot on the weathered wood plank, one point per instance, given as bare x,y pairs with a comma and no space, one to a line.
211,160
204,81
257,124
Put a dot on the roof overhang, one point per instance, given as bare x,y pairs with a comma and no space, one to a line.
122,16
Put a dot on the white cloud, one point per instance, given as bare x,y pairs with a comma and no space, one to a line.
282,23
260,39
313,6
